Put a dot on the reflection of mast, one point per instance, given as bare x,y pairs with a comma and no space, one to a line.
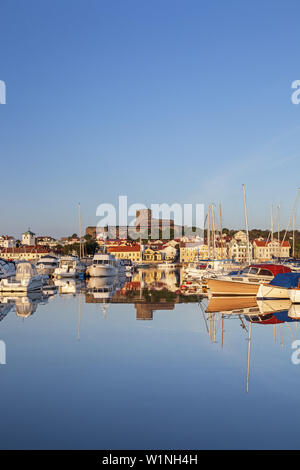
104,308
248,362
222,329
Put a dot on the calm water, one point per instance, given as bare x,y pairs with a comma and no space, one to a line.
148,373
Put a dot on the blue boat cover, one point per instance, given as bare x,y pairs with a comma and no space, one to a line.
287,280
284,316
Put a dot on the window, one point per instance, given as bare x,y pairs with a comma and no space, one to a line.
265,272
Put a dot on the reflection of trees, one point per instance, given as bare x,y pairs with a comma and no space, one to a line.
159,295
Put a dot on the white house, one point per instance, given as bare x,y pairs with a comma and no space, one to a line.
28,238
7,241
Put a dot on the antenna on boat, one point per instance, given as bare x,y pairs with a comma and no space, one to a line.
246,223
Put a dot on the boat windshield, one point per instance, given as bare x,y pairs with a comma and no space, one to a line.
104,261
253,270
265,272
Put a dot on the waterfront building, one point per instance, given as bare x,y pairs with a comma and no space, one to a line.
47,241
7,242
192,252
238,250
266,250
131,252
151,255
29,253
28,238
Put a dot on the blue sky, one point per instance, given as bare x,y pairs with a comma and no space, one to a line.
161,100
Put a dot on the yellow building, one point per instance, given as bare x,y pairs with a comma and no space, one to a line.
126,252
193,252
29,253
152,256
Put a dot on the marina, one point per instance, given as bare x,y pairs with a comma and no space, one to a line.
150,237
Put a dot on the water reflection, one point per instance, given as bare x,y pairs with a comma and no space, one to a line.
152,290
161,350
24,306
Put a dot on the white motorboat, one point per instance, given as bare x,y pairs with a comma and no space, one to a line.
294,311
104,265
66,286
294,295
209,269
26,280
47,265
7,269
125,265
279,287
69,266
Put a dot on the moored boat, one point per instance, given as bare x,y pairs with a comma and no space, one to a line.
26,280
104,265
279,287
245,282
47,265
69,266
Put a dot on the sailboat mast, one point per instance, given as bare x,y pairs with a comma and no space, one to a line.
80,231
246,223
213,231
272,225
293,235
208,232
292,214
221,232
278,220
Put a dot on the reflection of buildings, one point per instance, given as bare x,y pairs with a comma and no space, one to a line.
145,311
149,290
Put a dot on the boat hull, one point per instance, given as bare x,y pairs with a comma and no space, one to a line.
267,291
224,288
31,286
101,271
65,274
294,296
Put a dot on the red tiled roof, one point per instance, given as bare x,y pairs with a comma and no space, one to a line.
262,243
25,249
125,248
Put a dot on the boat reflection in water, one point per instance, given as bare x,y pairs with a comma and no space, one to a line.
68,286
24,305
249,311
